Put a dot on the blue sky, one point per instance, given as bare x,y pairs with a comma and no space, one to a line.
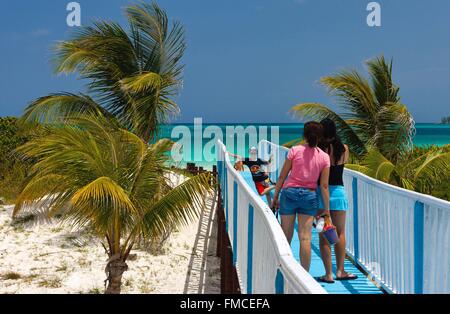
249,60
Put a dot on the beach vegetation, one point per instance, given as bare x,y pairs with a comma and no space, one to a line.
13,170
128,282
94,291
146,289
445,120
50,283
420,169
11,275
23,219
30,278
108,179
62,268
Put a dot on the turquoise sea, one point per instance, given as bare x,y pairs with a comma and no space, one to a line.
198,139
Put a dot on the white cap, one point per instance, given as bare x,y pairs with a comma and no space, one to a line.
253,149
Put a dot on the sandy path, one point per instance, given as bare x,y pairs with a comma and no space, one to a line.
41,256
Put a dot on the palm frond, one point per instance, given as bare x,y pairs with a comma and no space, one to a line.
141,82
180,205
434,169
59,107
100,203
379,167
294,142
345,131
384,88
359,168
354,94
42,189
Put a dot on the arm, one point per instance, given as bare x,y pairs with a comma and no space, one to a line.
267,162
283,175
235,156
346,154
324,177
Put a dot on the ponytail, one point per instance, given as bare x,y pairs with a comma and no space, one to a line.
330,138
338,148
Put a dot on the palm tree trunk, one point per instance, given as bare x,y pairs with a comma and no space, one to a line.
115,269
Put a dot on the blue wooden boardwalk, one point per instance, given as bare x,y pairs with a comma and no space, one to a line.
362,285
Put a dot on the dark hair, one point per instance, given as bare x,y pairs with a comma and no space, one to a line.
330,137
313,133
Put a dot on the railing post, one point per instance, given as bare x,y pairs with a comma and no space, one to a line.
235,214
279,283
220,222
223,259
250,250
418,247
225,195
277,170
355,218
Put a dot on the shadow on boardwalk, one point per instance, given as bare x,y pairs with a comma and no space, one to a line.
203,274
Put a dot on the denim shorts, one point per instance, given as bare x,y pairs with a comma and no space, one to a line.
297,200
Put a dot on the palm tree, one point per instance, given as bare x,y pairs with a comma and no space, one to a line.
97,175
373,115
133,75
420,169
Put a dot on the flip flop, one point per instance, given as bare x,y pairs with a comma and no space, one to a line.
348,276
322,279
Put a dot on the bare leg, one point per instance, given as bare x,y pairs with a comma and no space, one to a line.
304,234
269,199
338,218
287,224
325,252
267,193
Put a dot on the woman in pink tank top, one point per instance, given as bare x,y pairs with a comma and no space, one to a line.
304,165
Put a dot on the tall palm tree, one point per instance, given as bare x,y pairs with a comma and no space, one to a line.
373,115
99,176
132,74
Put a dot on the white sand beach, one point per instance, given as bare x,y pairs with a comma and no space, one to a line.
44,256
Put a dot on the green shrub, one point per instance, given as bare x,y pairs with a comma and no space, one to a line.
13,169
11,276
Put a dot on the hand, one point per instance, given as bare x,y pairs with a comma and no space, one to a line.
323,212
275,204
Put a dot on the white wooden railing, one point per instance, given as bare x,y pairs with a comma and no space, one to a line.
261,253
401,238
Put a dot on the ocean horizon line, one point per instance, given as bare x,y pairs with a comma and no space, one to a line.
279,123
261,123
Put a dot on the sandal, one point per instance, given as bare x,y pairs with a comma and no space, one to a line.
322,279
347,276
